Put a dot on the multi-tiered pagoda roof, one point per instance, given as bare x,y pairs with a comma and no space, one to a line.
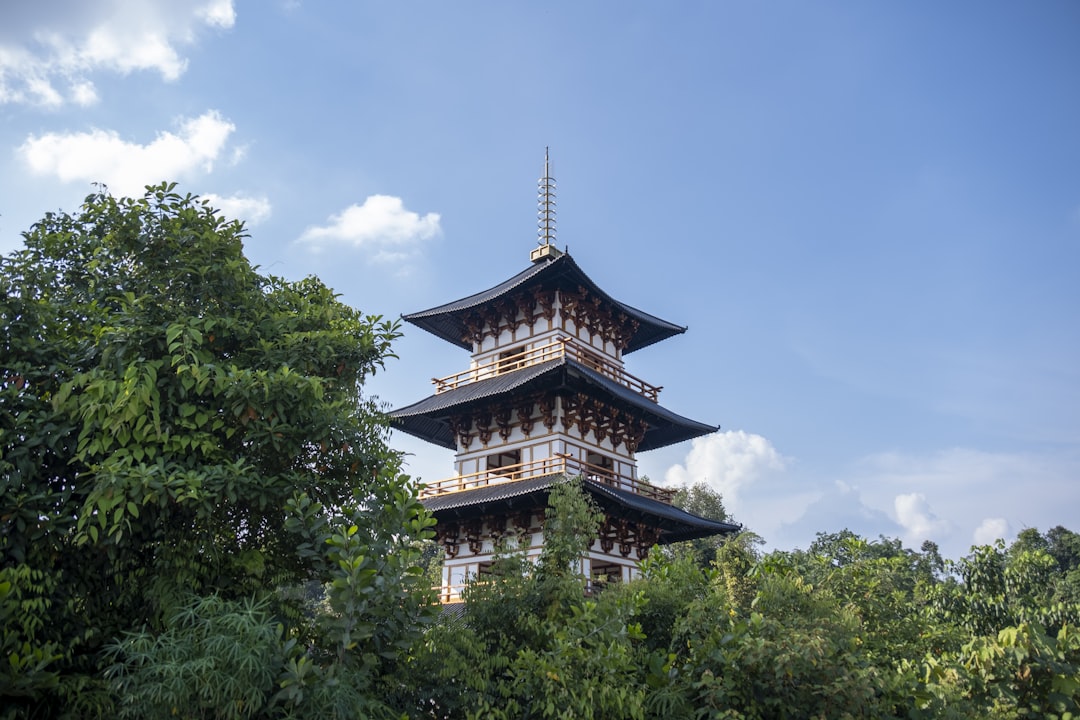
450,321
561,369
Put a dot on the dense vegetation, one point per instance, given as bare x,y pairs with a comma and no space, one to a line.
187,461
200,517
849,628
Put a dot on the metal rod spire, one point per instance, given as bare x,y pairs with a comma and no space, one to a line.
546,198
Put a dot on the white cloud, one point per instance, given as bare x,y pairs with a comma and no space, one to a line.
950,496
990,530
918,520
836,506
728,461
48,48
126,167
381,225
966,487
83,93
219,13
252,210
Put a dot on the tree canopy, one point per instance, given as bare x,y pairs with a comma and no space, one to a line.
176,425
850,628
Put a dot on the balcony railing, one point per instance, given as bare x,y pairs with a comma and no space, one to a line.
449,593
548,466
446,594
563,347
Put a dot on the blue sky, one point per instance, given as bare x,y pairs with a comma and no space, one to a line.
868,214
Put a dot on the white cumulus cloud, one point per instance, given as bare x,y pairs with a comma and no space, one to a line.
966,485
989,530
381,225
252,210
728,461
953,496
50,48
127,167
918,520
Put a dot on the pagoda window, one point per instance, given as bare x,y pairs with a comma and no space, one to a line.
603,573
600,467
504,459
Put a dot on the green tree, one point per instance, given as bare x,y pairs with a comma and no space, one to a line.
233,647
795,654
529,642
1063,546
175,424
887,585
995,589
1021,657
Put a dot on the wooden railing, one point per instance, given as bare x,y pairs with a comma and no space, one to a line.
446,594
548,466
449,593
563,347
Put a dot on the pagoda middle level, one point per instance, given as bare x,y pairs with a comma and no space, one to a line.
546,397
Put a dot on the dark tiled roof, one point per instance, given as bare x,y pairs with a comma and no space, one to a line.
507,494
429,418
452,612
675,525
445,321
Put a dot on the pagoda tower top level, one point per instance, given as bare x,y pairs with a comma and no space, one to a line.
553,284
461,321
547,331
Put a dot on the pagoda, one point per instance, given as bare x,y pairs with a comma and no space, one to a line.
546,397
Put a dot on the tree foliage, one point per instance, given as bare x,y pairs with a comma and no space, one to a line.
530,642
174,427
850,628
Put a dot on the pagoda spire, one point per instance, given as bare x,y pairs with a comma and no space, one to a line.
545,214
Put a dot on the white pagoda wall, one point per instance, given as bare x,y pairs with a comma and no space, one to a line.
541,443
542,332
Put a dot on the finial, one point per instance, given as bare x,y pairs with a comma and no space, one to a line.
545,214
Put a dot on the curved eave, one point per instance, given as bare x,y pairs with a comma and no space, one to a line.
429,418
674,524
446,321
